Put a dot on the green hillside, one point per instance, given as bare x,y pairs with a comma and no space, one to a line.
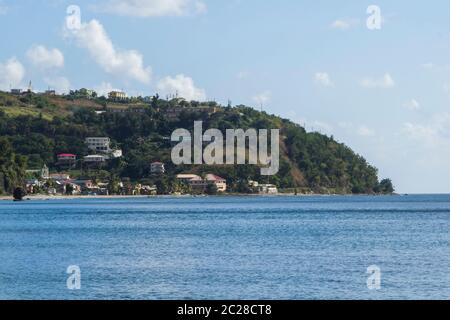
35,128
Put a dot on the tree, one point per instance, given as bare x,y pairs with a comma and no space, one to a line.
114,185
162,187
386,187
310,161
19,193
12,167
211,189
69,189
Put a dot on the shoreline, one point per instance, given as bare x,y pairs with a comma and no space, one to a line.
61,197
80,197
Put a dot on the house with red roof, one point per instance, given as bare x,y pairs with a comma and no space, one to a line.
219,182
66,159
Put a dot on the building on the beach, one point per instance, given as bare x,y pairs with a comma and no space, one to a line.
253,184
267,189
219,182
86,184
145,190
33,186
200,184
69,188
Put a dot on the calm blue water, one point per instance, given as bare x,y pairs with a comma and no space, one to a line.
227,248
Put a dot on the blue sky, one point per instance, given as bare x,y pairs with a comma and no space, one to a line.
385,93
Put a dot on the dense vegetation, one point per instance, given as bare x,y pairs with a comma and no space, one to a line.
34,129
12,167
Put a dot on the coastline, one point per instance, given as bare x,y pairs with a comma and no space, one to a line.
61,197
79,197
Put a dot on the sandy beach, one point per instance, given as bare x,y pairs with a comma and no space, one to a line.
61,197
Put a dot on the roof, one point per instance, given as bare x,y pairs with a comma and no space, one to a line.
103,138
213,177
94,156
187,176
157,162
66,155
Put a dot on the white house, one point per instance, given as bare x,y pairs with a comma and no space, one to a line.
267,189
220,183
99,144
198,183
94,159
103,145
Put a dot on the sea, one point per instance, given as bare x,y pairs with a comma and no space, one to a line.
226,248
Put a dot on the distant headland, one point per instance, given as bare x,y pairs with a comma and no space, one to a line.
83,144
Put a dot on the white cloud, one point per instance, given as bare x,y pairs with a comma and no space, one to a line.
121,63
3,8
446,88
60,84
344,24
323,79
242,74
11,73
183,86
434,133
262,98
104,88
413,104
385,82
44,58
200,7
428,65
360,130
365,131
318,126
152,8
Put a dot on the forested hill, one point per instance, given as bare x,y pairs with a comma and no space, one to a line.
35,128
